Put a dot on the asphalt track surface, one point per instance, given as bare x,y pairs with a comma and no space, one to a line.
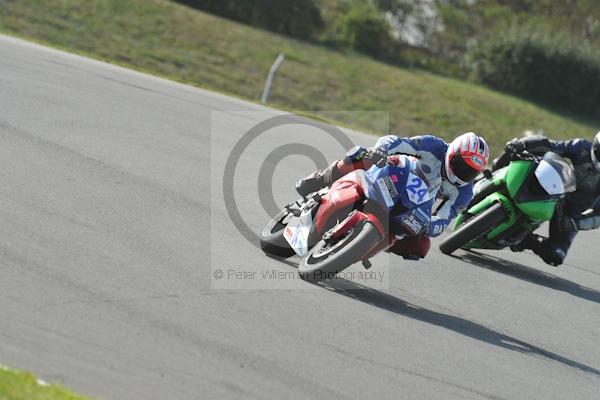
113,223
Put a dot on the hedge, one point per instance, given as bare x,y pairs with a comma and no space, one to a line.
553,71
296,18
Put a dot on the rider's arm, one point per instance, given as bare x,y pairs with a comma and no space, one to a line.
415,146
574,149
458,199
540,145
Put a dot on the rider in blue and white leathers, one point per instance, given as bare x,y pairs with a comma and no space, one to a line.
431,151
448,168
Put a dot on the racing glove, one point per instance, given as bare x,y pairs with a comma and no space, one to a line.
355,154
378,156
515,146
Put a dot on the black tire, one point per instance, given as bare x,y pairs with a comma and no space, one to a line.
474,228
271,237
323,262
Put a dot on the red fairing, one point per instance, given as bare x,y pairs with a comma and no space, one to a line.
343,194
354,218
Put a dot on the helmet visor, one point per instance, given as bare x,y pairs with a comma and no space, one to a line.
462,170
596,151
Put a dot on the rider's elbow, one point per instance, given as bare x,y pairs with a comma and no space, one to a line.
437,228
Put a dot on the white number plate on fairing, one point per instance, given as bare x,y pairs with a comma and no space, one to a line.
296,232
417,189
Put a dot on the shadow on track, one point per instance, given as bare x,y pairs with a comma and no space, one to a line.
456,324
460,325
528,274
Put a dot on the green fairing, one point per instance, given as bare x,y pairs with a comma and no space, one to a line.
539,210
500,176
512,177
516,174
457,221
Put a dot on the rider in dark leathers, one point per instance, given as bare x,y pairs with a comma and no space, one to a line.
580,210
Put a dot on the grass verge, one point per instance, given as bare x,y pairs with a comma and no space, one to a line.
17,385
165,38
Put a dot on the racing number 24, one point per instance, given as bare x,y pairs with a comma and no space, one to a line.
416,188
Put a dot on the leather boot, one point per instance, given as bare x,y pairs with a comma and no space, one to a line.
318,180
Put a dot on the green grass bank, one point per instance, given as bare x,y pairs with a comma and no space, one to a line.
165,38
17,385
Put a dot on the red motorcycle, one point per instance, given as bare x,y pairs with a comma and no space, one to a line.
350,222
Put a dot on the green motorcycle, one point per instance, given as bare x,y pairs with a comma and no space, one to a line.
511,203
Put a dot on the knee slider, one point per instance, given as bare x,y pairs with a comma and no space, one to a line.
413,247
552,253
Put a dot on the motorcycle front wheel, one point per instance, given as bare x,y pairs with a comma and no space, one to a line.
271,237
474,228
329,257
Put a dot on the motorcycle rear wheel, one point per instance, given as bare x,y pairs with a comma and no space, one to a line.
328,258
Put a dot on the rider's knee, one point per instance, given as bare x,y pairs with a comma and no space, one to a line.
552,253
412,247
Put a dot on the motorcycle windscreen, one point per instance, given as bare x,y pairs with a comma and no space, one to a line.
555,175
